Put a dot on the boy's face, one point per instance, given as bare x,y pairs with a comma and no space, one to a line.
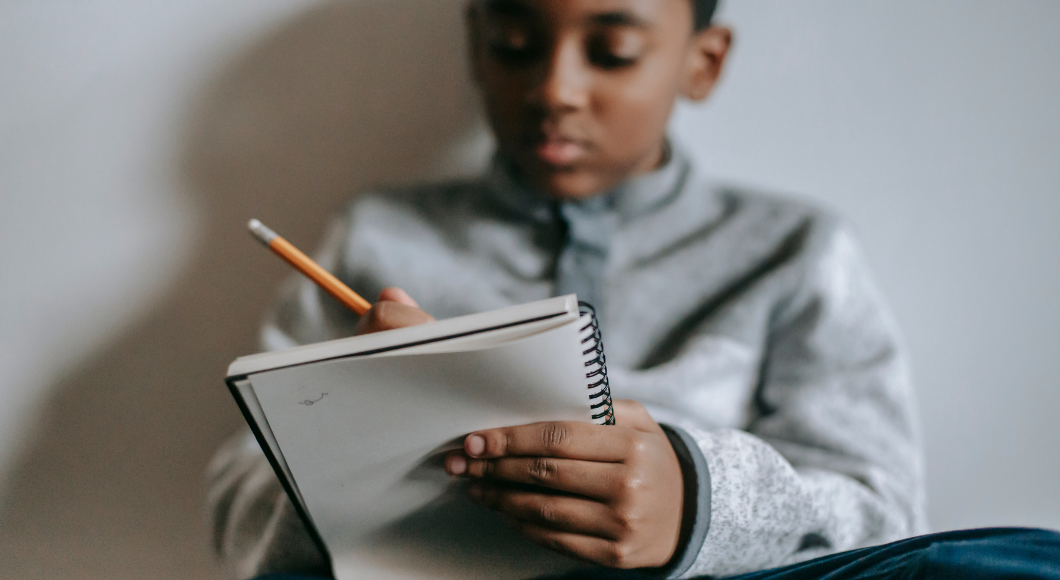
578,92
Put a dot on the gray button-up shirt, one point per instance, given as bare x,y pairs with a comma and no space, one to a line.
747,324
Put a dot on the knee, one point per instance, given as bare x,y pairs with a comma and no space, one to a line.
994,553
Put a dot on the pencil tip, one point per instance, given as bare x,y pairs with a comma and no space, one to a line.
261,232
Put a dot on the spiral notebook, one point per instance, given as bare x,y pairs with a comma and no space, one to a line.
356,430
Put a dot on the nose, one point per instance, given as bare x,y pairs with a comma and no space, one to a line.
564,80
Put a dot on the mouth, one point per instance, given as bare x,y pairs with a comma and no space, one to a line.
557,150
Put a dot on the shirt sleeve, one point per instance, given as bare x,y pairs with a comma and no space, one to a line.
256,530
832,460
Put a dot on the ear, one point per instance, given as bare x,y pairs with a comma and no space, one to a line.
706,58
472,24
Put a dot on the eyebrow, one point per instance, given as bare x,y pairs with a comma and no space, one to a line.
517,8
620,18
507,8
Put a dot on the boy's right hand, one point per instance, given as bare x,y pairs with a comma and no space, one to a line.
392,309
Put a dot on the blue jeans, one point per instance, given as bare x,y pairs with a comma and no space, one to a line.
987,554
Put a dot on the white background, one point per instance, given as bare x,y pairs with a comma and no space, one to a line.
933,127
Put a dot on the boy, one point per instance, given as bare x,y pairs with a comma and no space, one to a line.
773,420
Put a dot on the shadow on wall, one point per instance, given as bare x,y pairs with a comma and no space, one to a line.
347,95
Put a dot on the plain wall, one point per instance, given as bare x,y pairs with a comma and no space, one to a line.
136,139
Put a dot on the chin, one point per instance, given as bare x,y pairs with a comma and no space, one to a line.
567,190
570,184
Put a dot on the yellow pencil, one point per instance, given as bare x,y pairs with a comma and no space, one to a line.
307,266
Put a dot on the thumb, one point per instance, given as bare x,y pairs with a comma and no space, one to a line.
395,294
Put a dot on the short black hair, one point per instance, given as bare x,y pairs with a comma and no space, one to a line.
703,12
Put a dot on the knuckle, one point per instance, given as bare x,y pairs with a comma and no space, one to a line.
627,520
497,443
627,492
542,469
555,436
617,555
637,448
631,484
480,468
628,482
555,543
548,513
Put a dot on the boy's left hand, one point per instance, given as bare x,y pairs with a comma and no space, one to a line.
612,495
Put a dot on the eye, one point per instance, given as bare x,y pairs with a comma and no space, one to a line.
614,51
511,44
607,60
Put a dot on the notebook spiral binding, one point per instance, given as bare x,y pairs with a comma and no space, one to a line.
596,368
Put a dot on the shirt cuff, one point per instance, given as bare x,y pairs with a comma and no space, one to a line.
695,521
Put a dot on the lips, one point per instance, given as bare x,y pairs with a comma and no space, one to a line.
559,152
553,148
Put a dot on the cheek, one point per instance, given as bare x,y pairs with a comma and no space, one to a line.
503,97
633,111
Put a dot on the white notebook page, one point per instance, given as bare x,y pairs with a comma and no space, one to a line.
364,437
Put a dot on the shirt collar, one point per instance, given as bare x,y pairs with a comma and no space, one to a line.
643,217
649,192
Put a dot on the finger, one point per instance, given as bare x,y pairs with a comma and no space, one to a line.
589,548
591,479
390,315
557,512
456,463
630,413
568,439
395,294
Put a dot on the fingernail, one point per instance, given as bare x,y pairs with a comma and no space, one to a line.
474,491
475,445
457,465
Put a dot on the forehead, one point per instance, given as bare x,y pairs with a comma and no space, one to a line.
640,13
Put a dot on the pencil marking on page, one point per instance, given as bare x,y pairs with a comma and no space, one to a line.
309,402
